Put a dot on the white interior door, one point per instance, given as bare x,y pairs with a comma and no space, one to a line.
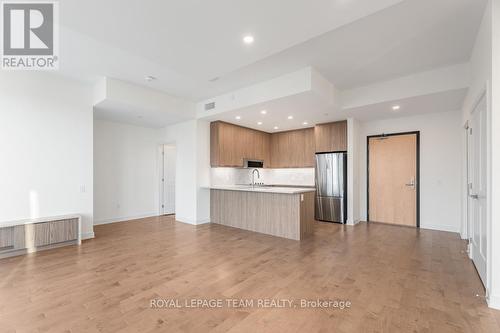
477,189
168,180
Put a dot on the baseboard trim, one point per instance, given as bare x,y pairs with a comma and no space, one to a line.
203,221
88,235
124,218
447,228
191,221
351,222
494,302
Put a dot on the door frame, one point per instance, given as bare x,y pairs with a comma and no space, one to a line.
417,134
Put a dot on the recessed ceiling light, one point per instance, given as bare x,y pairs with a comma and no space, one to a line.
263,111
290,117
305,123
149,78
248,39
396,107
237,117
259,123
276,127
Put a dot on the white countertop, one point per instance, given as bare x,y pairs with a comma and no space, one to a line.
263,189
6,224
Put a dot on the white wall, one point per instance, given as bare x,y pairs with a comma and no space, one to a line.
440,165
353,169
192,140
418,84
46,147
203,171
232,176
494,297
126,171
485,76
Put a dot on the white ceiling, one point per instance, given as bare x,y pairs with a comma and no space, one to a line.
186,43
118,111
307,107
431,103
413,36
303,107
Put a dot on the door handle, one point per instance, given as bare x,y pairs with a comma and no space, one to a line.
411,184
474,196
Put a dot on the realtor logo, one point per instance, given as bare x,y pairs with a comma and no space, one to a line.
30,35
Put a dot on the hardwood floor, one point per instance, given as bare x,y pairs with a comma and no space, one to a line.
398,280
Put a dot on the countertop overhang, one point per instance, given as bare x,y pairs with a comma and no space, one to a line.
263,189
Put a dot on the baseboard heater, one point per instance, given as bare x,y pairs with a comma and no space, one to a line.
27,236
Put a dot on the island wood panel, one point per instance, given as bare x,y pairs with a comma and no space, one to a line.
331,137
268,213
282,215
307,214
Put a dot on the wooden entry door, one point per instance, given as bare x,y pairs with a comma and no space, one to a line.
393,179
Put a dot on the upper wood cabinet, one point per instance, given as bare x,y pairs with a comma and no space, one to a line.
230,145
331,137
293,149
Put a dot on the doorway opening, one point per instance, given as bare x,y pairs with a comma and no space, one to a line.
393,178
167,179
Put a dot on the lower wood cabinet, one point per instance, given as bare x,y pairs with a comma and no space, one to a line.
24,238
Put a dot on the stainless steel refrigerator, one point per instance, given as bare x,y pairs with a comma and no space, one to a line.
331,187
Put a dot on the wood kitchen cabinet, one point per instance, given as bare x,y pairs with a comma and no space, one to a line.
293,149
331,137
230,145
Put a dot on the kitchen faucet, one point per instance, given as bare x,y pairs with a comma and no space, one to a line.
253,176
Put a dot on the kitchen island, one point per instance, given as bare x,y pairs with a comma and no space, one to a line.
279,211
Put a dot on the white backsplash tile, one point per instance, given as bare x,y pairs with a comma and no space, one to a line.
232,176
